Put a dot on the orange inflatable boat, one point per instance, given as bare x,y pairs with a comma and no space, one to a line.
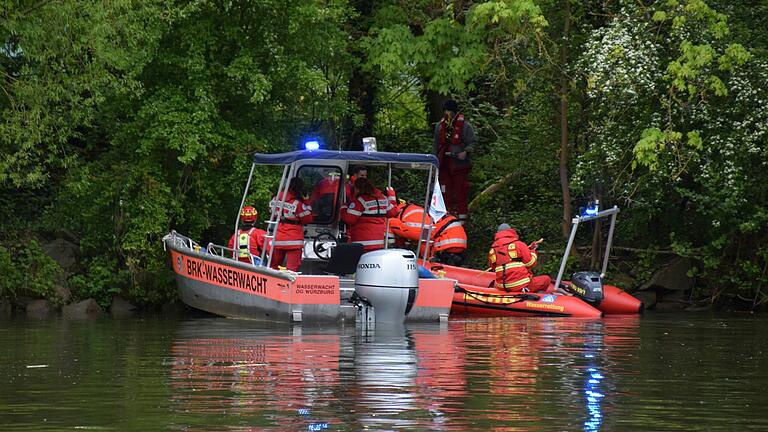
614,300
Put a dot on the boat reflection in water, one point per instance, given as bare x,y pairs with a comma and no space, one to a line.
400,371
271,375
489,374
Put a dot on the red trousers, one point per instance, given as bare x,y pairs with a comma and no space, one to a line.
292,258
541,284
455,188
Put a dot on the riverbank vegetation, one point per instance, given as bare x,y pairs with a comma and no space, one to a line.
122,120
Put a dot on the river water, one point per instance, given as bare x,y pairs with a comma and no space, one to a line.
654,372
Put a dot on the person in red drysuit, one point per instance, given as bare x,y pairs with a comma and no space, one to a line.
512,261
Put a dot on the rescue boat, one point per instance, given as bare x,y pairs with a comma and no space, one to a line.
585,286
480,301
336,282
475,288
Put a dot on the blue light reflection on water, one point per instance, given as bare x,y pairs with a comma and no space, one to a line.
593,377
593,397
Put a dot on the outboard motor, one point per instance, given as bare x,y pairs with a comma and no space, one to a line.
388,280
588,286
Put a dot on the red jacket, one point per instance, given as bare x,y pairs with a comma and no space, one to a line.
512,260
251,240
407,221
449,235
366,217
290,230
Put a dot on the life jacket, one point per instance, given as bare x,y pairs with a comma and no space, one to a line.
449,235
249,244
511,259
295,213
366,216
450,141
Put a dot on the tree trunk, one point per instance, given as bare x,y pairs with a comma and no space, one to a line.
563,93
435,103
362,85
597,246
362,94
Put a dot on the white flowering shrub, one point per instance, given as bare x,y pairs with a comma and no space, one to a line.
677,132
620,62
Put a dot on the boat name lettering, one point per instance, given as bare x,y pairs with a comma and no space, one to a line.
369,266
493,298
547,306
578,290
222,275
315,289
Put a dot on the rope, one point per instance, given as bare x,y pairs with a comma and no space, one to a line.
477,296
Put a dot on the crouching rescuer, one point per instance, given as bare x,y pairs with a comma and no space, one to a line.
513,260
448,237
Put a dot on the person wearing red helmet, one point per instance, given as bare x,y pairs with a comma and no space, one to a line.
249,242
512,260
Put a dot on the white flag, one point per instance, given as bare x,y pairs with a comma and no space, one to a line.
437,206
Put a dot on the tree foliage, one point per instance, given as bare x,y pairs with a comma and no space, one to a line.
122,120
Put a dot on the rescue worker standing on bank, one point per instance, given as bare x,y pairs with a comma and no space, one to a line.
289,239
366,215
249,242
454,141
513,260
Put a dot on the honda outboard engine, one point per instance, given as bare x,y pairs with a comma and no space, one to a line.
388,280
588,286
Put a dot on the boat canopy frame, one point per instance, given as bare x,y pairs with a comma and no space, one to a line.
612,212
290,160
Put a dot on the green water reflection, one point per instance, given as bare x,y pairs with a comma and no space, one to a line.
656,372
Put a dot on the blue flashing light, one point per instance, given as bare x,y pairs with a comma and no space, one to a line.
590,210
312,145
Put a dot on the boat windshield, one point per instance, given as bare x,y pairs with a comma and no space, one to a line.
324,189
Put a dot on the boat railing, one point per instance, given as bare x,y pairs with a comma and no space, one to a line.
181,241
224,251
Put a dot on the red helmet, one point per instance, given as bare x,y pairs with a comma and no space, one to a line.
249,214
